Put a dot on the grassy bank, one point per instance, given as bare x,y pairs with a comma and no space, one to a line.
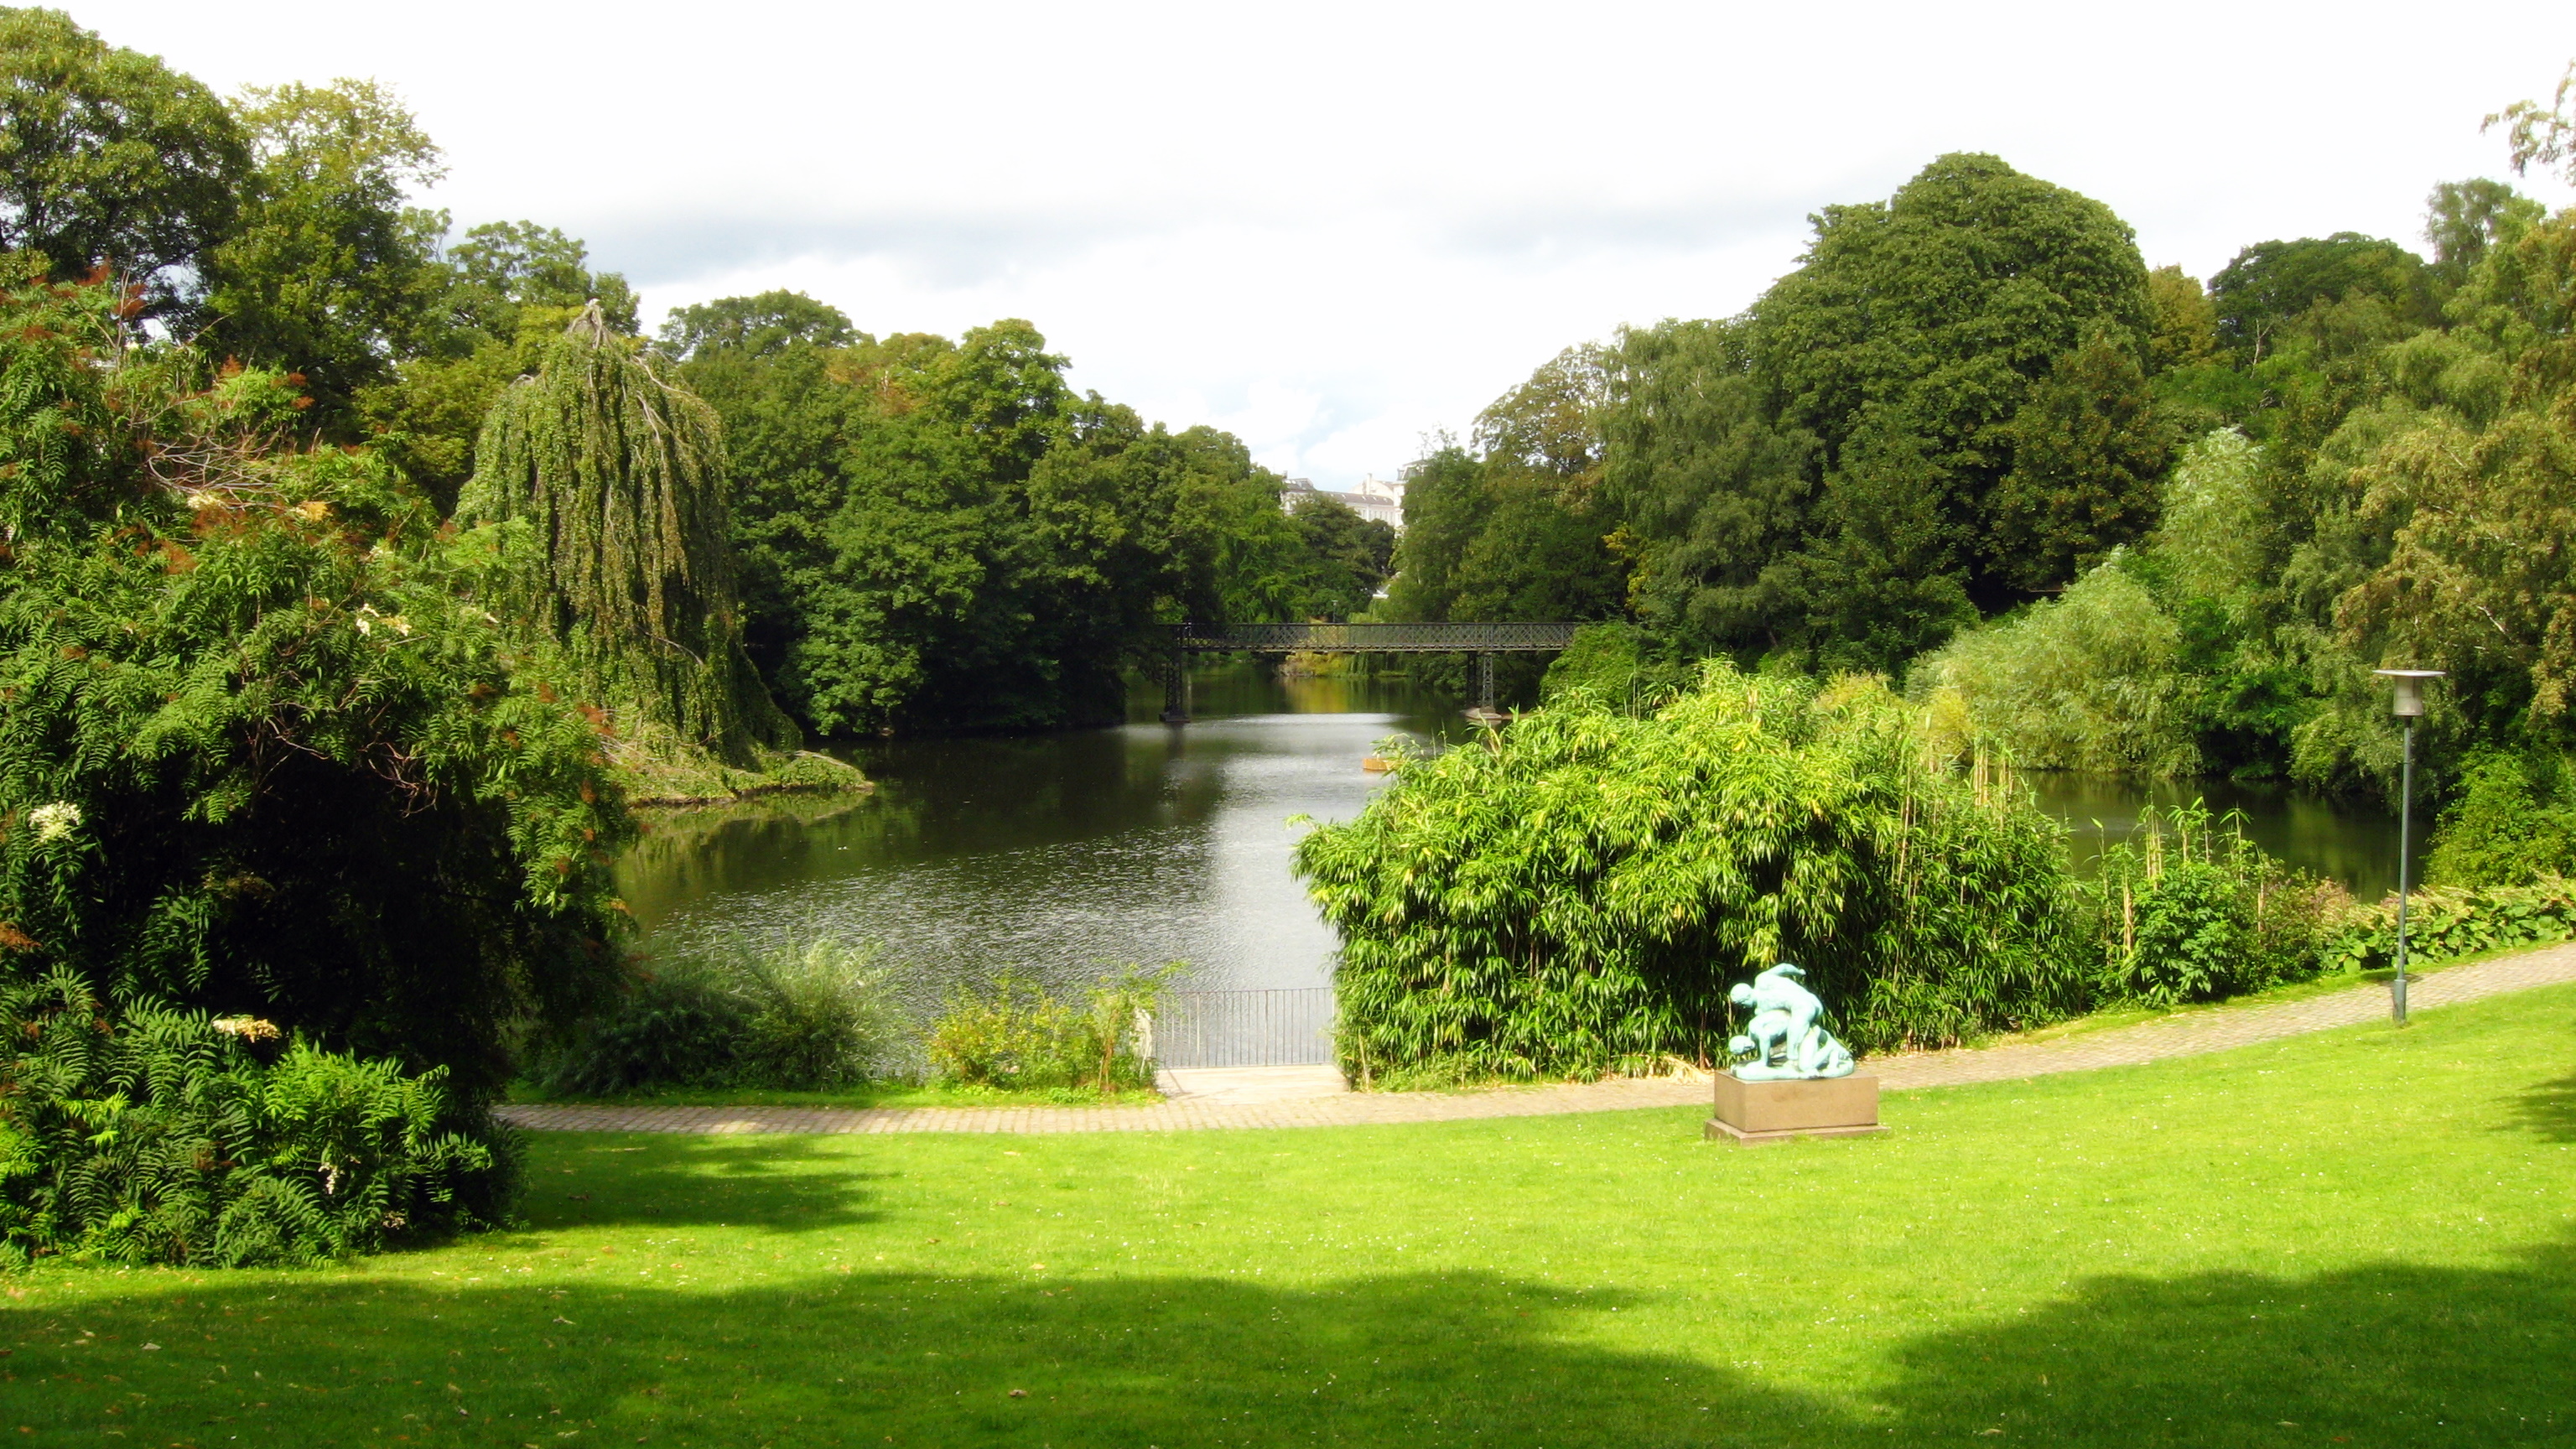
2365,1236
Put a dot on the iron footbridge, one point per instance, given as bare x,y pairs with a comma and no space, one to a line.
1481,640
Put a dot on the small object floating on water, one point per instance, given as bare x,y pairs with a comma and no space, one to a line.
1377,764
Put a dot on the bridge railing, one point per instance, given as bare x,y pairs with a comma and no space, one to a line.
1372,638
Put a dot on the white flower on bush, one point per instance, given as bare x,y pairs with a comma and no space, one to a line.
54,821
248,1028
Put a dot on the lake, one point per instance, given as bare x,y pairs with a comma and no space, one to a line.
1061,855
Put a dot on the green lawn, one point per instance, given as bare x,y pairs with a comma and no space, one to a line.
891,1093
2364,1237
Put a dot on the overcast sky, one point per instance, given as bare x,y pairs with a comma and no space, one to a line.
1334,229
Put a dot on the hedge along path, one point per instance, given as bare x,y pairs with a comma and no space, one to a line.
2187,1034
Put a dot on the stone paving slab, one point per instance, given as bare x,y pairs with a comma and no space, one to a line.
1250,1084
2183,1034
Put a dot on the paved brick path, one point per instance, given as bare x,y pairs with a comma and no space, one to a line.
2187,1034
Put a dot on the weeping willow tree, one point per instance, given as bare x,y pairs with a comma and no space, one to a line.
619,480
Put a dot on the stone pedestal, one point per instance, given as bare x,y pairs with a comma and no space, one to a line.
1756,1112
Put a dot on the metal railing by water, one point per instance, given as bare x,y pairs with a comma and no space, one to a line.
1287,1028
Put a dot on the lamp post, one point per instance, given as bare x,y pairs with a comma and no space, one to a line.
2408,706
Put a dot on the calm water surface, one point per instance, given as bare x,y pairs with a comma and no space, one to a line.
2353,842
1057,854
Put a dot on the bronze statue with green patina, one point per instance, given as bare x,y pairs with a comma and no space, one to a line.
1785,1039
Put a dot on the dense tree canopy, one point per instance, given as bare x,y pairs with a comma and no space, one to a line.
1946,409
2272,284
943,534
1909,343
328,271
261,753
1966,402
1510,527
108,157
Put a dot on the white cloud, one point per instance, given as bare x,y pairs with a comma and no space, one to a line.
1334,228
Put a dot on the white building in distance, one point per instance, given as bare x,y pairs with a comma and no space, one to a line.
1375,498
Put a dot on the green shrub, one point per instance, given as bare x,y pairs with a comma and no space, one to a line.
2194,911
815,1018
805,1019
1574,895
148,1134
259,750
2444,923
2194,939
1016,1034
672,1030
1012,1033
1615,662
2512,820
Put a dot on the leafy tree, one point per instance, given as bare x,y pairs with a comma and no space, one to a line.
2087,681
2183,326
1446,503
1551,423
999,547
258,753
1910,339
108,157
507,289
2273,284
503,268
1880,579
938,534
2464,218
326,270
755,327
1242,558
2087,449
1512,530
1536,559
786,415
1711,496
1347,555
622,557
2544,136
2513,818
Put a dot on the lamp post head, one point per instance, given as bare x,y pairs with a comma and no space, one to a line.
2409,703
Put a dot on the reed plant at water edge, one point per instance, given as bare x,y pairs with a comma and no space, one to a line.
2192,910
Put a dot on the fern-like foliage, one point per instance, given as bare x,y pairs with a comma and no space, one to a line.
154,1135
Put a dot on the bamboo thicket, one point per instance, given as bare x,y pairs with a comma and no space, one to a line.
1576,898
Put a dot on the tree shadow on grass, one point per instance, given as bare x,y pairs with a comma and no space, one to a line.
870,1358
2377,1355
2549,1109
781,1183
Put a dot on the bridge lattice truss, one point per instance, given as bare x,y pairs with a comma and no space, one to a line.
1481,640
1371,638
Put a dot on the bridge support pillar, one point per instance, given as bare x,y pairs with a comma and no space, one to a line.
1485,682
1176,688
